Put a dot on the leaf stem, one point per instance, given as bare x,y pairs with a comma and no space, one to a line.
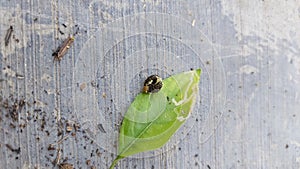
112,166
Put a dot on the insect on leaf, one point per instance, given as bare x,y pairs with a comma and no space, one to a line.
153,118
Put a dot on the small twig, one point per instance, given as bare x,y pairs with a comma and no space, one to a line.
101,128
8,35
16,150
57,159
62,139
58,142
66,166
19,76
62,50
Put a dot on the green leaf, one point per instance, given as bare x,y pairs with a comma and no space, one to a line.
153,118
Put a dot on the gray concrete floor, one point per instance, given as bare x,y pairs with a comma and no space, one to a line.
68,112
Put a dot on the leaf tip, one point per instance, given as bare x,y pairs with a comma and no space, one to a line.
198,71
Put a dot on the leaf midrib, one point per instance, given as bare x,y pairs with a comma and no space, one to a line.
142,132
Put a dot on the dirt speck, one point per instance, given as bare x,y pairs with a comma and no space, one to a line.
82,86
